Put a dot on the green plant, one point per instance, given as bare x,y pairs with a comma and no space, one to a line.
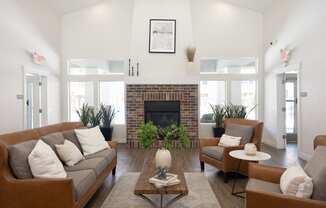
147,134
218,115
237,111
108,114
84,114
95,117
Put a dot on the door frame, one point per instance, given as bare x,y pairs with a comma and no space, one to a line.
293,68
27,69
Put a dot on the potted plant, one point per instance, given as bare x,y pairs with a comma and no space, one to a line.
148,134
95,117
108,114
84,114
237,111
218,117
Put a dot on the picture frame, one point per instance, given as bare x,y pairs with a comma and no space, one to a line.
162,36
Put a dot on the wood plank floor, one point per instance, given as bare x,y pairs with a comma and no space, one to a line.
131,160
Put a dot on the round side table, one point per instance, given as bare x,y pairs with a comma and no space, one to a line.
242,156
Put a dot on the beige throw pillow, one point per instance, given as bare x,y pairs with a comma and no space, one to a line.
44,163
69,153
295,182
91,140
229,141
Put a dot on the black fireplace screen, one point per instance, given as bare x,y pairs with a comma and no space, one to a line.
162,113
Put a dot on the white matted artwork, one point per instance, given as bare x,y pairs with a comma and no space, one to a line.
162,36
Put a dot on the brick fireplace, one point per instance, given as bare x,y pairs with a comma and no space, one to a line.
185,95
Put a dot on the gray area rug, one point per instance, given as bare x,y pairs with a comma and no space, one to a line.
200,194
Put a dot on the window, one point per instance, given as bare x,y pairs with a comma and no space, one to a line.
211,93
104,86
113,93
244,93
95,67
228,66
80,93
225,81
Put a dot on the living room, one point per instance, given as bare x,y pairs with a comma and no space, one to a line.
222,97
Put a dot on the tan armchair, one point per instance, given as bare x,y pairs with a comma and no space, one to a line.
225,162
263,189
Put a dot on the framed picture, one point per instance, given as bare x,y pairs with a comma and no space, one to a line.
162,36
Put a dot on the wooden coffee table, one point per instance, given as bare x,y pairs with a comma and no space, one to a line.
144,189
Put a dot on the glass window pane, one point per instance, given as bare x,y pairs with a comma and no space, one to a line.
229,66
113,93
289,117
245,93
95,67
80,93
211,93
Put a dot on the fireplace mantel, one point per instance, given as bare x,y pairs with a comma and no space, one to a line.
187,95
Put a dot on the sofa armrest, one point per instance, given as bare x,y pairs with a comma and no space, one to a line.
113,145
37,193
208,142
265,173
320,141
256,199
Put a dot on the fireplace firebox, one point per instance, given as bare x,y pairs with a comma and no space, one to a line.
162,113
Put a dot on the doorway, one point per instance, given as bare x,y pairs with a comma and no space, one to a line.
35,105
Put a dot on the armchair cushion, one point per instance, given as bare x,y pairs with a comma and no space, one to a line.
243,131
263,186
18,159
316,169
216,152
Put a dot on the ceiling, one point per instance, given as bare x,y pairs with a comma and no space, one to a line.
65,6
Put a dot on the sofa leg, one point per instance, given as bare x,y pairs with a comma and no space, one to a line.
114,170
226,177
202,166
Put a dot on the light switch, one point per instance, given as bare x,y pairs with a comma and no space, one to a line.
303,94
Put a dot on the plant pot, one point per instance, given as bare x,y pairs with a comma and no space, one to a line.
107,133
163,158
218,132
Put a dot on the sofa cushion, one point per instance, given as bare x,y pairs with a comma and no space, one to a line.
316,169
71,136
215,152
108,154
82,181
18,159
243,131
53,139
263,186
96,164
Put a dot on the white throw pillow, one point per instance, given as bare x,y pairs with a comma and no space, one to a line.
69,153
44,163
295,182
91,140
229,141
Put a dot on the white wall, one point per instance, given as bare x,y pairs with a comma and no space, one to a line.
26,26
120,29
300,24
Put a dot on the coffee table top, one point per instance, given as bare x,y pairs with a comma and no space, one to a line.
149,170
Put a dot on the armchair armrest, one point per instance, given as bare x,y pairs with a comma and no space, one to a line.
113,145
257,199
320,141
37,193
208,142
265,173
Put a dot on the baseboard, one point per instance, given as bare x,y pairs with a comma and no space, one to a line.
270,143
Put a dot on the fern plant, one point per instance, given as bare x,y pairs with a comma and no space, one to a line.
147,134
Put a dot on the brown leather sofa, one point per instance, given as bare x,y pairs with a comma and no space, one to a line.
263,187
44,193
226,163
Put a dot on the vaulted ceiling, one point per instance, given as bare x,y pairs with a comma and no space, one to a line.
65,6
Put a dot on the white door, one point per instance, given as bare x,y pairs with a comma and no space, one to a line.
35,101
291,102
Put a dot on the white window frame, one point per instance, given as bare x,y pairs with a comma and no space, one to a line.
96,79
229,77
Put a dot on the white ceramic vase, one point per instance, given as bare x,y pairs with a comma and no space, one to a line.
163,158
250,149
